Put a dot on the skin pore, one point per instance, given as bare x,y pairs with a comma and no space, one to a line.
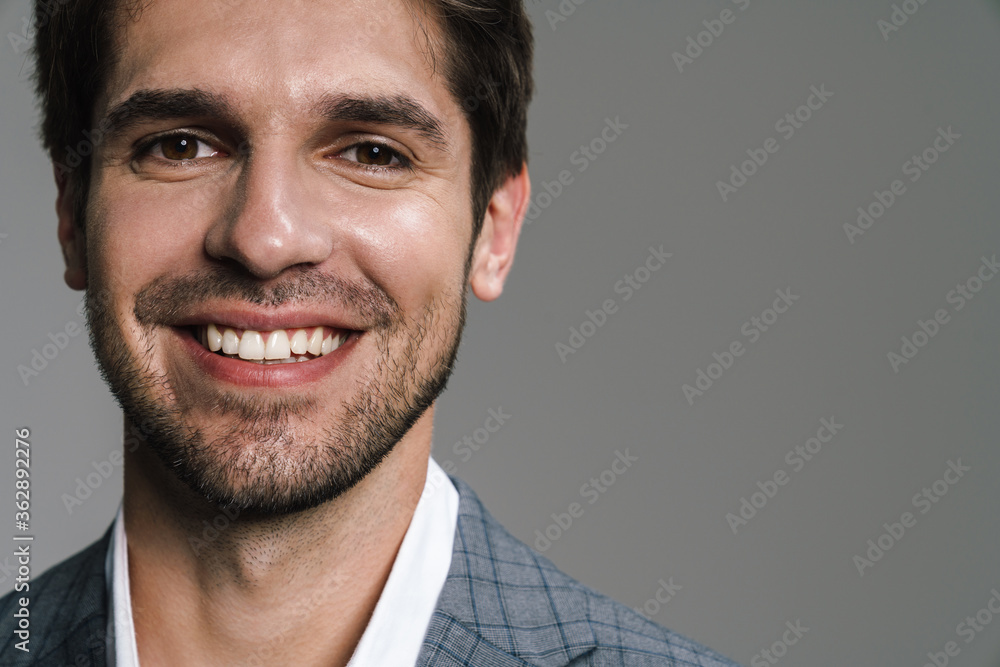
277,170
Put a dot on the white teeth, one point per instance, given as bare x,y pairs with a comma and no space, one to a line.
230,342
213,338
251,345
300,342
277,345
316,342
279,348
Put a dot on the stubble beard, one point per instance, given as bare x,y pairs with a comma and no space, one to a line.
260,463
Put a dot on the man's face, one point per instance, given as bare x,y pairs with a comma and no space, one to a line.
273,169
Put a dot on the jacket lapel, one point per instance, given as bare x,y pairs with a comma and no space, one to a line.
70,613
502,604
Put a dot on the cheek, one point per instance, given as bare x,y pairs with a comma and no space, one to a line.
417,249
137,234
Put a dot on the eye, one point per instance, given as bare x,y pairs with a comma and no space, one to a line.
375,155
180,147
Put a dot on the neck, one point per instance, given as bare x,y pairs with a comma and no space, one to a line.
211,587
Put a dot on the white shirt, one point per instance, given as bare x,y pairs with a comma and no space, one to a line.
402,614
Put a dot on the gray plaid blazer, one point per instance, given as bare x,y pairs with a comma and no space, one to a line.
502,605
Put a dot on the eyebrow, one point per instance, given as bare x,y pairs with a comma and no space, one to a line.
400,111
150,105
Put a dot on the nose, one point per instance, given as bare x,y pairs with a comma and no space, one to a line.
274,222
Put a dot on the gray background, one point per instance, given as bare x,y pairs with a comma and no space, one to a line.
665,517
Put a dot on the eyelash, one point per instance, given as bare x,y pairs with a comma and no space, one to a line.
405,164
144,149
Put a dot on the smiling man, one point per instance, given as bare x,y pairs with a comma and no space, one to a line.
278,221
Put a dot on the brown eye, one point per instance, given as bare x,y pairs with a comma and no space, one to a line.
179,148
375,155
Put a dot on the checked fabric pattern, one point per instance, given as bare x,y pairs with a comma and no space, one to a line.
505,605
502,605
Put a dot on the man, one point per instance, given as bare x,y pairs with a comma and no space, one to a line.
282,213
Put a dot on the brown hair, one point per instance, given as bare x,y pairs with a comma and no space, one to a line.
487,63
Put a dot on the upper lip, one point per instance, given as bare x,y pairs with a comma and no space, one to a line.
286,317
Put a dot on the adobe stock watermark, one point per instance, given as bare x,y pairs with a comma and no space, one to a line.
796,458
103,469
899,16
627,286
779,648
581,158
40,357
914,168
75,155
479,94
714,27
752,330
566,8
592,491
464,448
23,41
472,443
786,126
7,570
211,530
923,501
968,630
666,592
963,293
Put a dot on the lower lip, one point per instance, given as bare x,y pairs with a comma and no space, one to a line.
250,374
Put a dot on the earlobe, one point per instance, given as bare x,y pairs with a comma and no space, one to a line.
494,252
71,236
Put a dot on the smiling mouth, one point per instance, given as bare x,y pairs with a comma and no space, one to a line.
281,346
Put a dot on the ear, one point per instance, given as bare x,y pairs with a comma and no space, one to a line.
494,251
71,237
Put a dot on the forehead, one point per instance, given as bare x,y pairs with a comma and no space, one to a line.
274,59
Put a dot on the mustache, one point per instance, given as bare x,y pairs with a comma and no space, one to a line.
167,298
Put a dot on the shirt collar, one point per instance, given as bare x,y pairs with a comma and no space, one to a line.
396,630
